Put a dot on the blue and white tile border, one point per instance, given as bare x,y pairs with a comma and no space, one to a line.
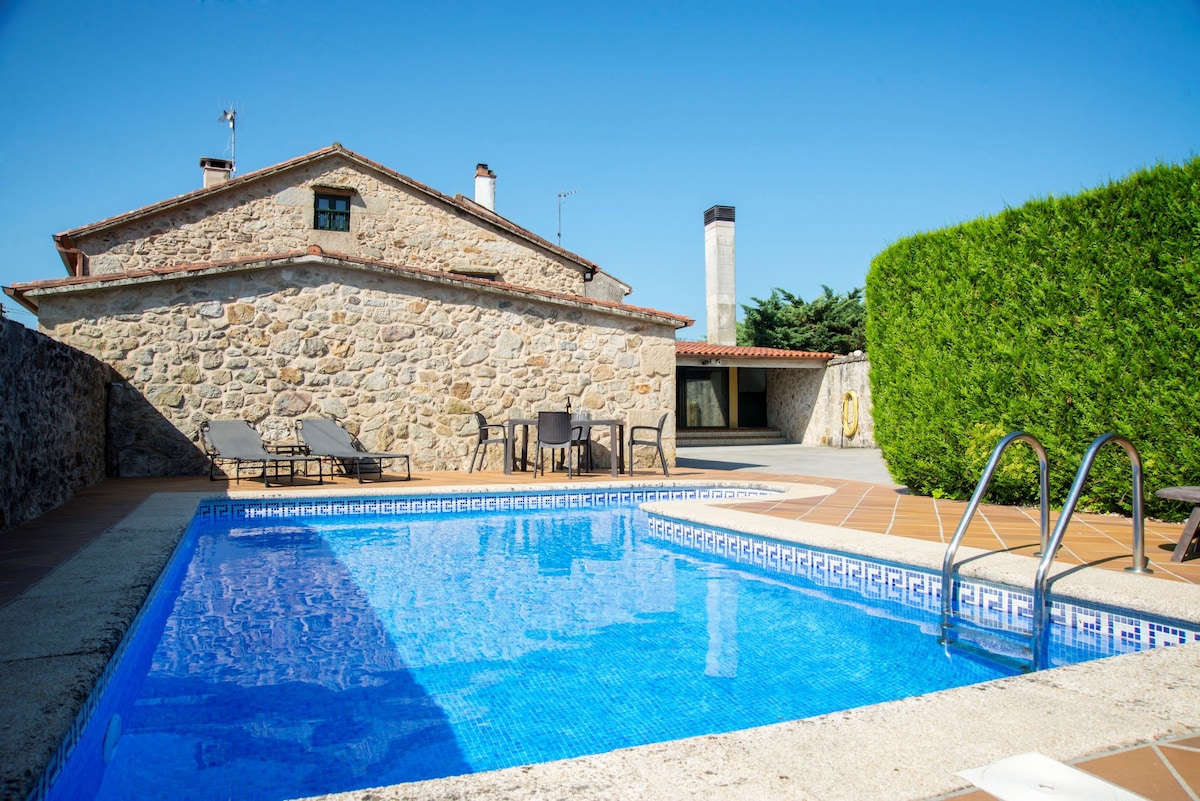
1098,630
259,509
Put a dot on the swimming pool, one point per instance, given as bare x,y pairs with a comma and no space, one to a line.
473,667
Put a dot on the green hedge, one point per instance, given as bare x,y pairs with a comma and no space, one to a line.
1066,318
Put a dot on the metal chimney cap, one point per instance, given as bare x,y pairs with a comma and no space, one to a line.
719,213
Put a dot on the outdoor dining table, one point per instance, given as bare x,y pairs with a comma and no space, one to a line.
616,431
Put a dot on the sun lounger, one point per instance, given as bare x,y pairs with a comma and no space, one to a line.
327,439
237,441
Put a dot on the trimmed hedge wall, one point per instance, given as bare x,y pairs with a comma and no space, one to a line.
1066,318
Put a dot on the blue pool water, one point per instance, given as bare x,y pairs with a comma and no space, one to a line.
298,652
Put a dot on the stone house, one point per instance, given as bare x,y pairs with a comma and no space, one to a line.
330,285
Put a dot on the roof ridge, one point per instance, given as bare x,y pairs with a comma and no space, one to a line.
65,239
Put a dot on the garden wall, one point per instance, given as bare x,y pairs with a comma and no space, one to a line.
806,405
52,422
843,375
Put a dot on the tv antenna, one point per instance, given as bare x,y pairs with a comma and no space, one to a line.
561,197
230,116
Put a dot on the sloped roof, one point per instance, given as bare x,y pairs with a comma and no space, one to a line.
27,293
65,241
706,350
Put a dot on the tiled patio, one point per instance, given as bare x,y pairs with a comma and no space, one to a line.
1164,771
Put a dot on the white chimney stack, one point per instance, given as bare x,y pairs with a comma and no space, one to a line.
485,187
216,171
721,297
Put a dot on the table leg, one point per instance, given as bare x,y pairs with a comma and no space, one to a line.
1189,545
615,459
525,449
620,448
510,430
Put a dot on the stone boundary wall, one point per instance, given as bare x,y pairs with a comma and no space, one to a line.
843,374
52,422
791,399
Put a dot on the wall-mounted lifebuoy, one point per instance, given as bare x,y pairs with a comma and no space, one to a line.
850,413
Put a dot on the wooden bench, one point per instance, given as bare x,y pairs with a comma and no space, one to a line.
1189,543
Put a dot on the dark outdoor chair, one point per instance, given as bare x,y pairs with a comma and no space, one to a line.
487,436
555,432
327,439
237,441
644,438
581,442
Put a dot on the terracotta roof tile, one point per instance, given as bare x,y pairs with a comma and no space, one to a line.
20,291
737,351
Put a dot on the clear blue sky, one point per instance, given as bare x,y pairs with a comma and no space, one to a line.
835,128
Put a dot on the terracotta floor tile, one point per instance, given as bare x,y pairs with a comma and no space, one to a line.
1140,771
1186,762
1187,742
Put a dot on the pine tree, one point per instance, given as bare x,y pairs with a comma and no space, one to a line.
830,323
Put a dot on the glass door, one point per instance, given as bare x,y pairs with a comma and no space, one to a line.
703,400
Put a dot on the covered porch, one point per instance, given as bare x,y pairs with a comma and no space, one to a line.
733,395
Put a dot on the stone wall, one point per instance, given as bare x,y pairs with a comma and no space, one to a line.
401,360
791,397
843,374
52,422
389,221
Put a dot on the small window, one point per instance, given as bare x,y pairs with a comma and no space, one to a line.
331,213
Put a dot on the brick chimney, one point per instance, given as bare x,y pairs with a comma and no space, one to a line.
721,299
485,187
216,171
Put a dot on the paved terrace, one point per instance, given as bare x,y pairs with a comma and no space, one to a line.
1134,720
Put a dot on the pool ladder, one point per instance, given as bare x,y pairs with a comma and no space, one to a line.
1035,654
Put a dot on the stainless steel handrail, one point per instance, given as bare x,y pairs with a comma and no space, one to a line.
980,489
1041,610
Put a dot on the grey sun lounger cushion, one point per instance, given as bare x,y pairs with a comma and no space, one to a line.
237,441
329,440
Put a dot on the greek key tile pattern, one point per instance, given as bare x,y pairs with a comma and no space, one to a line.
1090,632
223,509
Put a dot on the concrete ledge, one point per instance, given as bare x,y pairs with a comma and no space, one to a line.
57,637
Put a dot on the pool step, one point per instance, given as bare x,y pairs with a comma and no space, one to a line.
709,437
1008,648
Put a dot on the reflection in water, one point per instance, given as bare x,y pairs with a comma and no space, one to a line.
721,604
273,678
532,583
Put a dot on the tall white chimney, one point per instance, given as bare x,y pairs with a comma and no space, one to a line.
718,276
216,171
485,187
